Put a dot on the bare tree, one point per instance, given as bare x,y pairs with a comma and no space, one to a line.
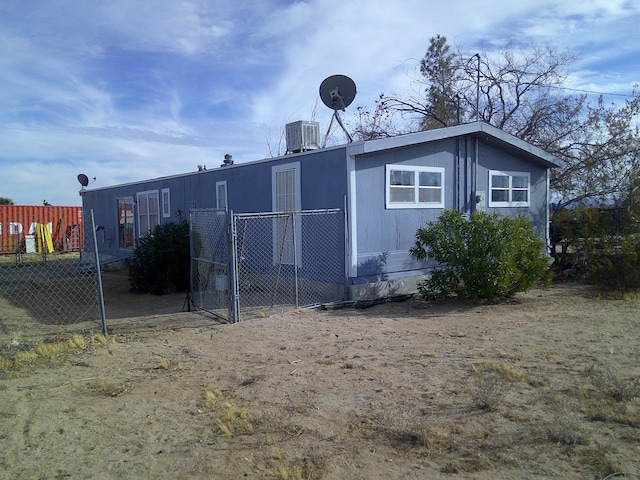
434,98
522,93
372,123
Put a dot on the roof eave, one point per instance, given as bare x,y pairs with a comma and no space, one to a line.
473,128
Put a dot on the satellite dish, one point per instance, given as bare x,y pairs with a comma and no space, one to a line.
83,179
337,92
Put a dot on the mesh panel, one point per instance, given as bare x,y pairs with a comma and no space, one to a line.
210,261
278,261
48,288
289,260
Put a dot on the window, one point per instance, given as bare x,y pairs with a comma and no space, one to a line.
148,213
285,194
125,222
286,198
508,189
414,187
166,203
221,195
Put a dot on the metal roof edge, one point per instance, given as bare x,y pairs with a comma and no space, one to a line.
212,170
520,144
473,128
371,146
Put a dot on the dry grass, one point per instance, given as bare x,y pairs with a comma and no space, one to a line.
306,468
602,459
610,385
104,388
465,443
231,420
269,459
55,351
272,462
490,384
566,428
392,394
609,398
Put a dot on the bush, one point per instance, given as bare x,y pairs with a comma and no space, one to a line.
611,262
486,256
601,245
161,260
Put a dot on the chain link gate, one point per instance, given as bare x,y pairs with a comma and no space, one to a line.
249,264
210,257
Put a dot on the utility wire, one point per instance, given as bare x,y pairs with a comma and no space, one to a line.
592,91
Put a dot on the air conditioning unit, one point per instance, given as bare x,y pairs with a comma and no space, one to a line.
302,136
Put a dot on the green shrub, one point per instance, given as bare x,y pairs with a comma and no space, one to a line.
611,262
161,260
486,256
602,244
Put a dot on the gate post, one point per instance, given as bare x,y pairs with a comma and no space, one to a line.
295,258
234,299
103,315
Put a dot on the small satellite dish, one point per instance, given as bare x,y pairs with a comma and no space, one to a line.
337,92
83,179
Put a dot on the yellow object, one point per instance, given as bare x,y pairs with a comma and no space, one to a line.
44,242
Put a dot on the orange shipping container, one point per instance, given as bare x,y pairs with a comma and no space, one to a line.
18,227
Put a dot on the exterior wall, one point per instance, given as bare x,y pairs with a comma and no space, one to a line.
379,237
17,224
384,236
382,264
494,159
249,190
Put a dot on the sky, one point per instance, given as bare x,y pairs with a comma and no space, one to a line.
127,90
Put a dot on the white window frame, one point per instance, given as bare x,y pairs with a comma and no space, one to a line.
221,191
510,188
166,203
145,195
416,169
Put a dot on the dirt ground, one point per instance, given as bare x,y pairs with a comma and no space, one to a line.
543,386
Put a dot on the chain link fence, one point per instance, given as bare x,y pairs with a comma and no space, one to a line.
210,257
247,264
49,289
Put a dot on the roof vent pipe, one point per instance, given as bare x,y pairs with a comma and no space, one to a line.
202,168
228,160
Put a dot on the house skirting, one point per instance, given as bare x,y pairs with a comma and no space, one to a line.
385,288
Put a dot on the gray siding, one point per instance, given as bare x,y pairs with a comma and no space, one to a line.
380,238
384,236
249,190
495,159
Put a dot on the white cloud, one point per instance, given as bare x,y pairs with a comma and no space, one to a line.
165,25
132,89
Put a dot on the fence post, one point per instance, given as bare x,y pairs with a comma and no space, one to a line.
347,251
234,303
98,275
192,263
295,258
